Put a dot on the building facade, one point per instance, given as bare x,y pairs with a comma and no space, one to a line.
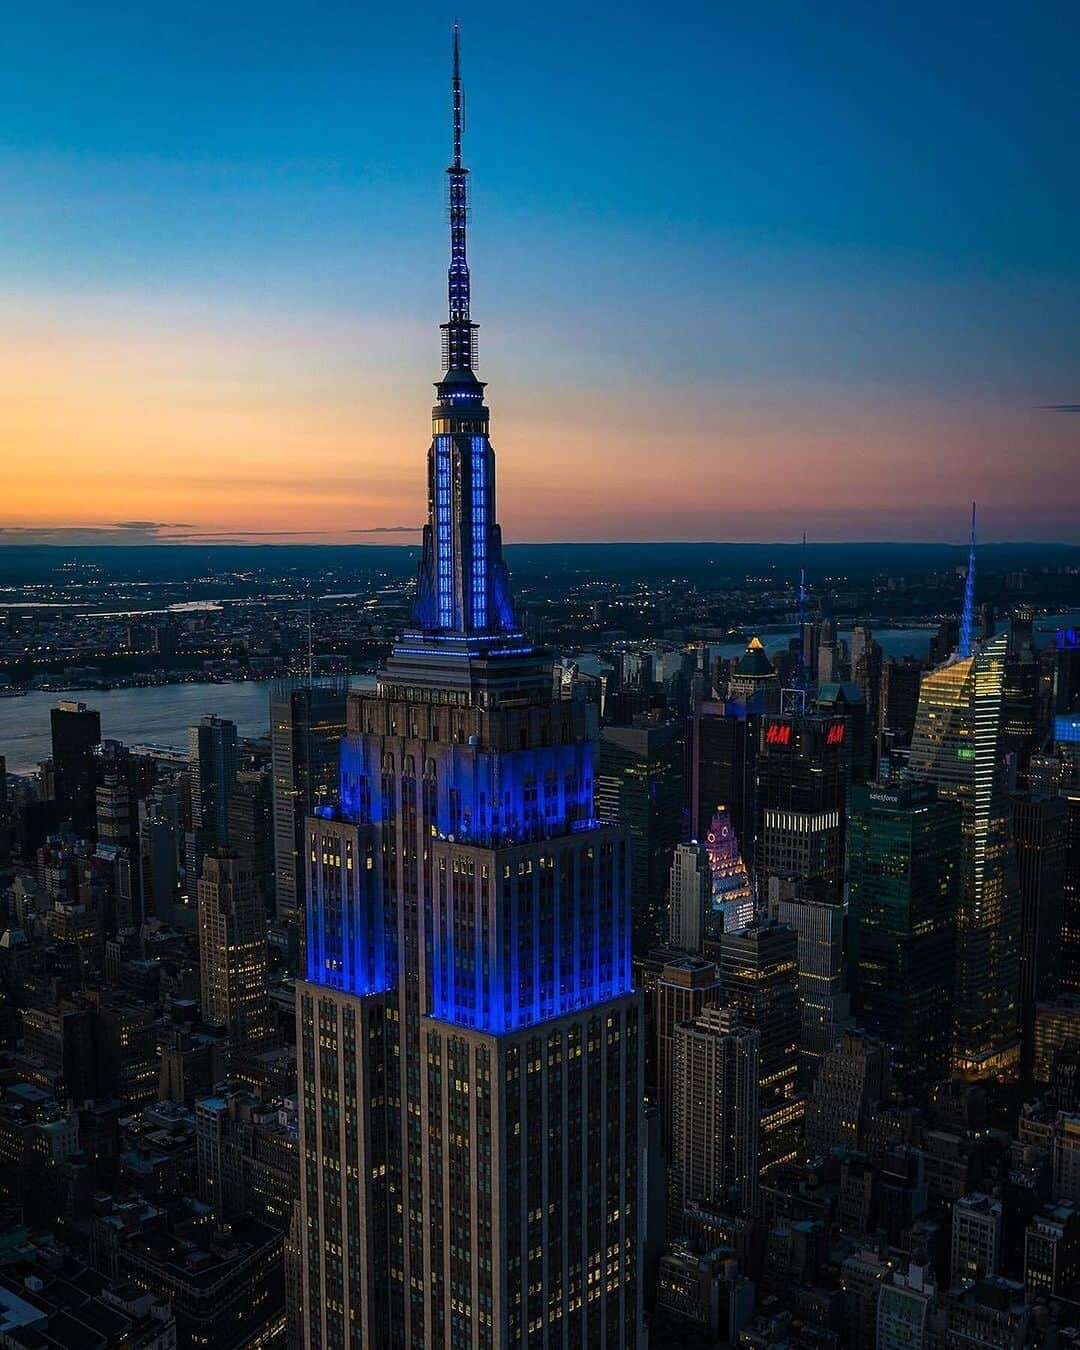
801,789
759,978
232,949
957,747
714,1146
470,1055
306,727
903,866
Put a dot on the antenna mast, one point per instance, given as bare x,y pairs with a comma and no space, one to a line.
967,617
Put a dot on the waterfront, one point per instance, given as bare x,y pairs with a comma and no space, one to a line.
161,714
153,714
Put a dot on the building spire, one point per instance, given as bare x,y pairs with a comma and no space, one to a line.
967,617
463,590
801,672
459,332
458,102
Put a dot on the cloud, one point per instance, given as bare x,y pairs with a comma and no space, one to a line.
388,529
148,526
140,532
1061,407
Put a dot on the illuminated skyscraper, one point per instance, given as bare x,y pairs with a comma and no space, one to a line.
759,976
753,681
732,893
957,747
232,948
714,1144
801,788
470,1057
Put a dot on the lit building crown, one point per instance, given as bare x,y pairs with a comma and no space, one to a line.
463,587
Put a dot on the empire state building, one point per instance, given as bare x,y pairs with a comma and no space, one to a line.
470,1046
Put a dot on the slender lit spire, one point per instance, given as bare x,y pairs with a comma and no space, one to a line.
967,618
463,588
459,332
456,85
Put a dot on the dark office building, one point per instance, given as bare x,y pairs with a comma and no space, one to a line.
212,757
801,775
845,699
1039,835
903,861
900,696
306,727
759,976
1069,975
639,784
1065,660
1020,715
945,642
76,730
251,827
720,749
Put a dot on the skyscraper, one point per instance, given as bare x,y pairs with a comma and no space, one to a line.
854,1074
801,792
759,977
232,948
753,681
903,875
1039,834
1069,970
720,755
250,818
825,1004
76,730
714,1145
470,1098
639,785
957,747
732,891
212,760
683,988
306,727
689,898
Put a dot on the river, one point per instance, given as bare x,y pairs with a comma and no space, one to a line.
161,714
157,714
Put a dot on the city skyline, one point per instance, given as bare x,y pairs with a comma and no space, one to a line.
793,318
608,945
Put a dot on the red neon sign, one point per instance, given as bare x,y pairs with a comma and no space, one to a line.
835,734
778,733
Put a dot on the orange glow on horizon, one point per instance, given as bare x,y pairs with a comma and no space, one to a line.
266,427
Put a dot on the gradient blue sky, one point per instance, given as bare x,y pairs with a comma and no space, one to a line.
739,269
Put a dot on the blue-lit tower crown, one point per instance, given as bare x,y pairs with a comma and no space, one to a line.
462,586
468,1037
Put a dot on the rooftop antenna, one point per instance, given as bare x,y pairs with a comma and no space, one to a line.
793,699
310,644
459,331
800,675
967,616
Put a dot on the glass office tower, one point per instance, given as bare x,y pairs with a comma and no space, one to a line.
903,875
957,746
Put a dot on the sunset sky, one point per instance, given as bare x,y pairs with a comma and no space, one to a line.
740,270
